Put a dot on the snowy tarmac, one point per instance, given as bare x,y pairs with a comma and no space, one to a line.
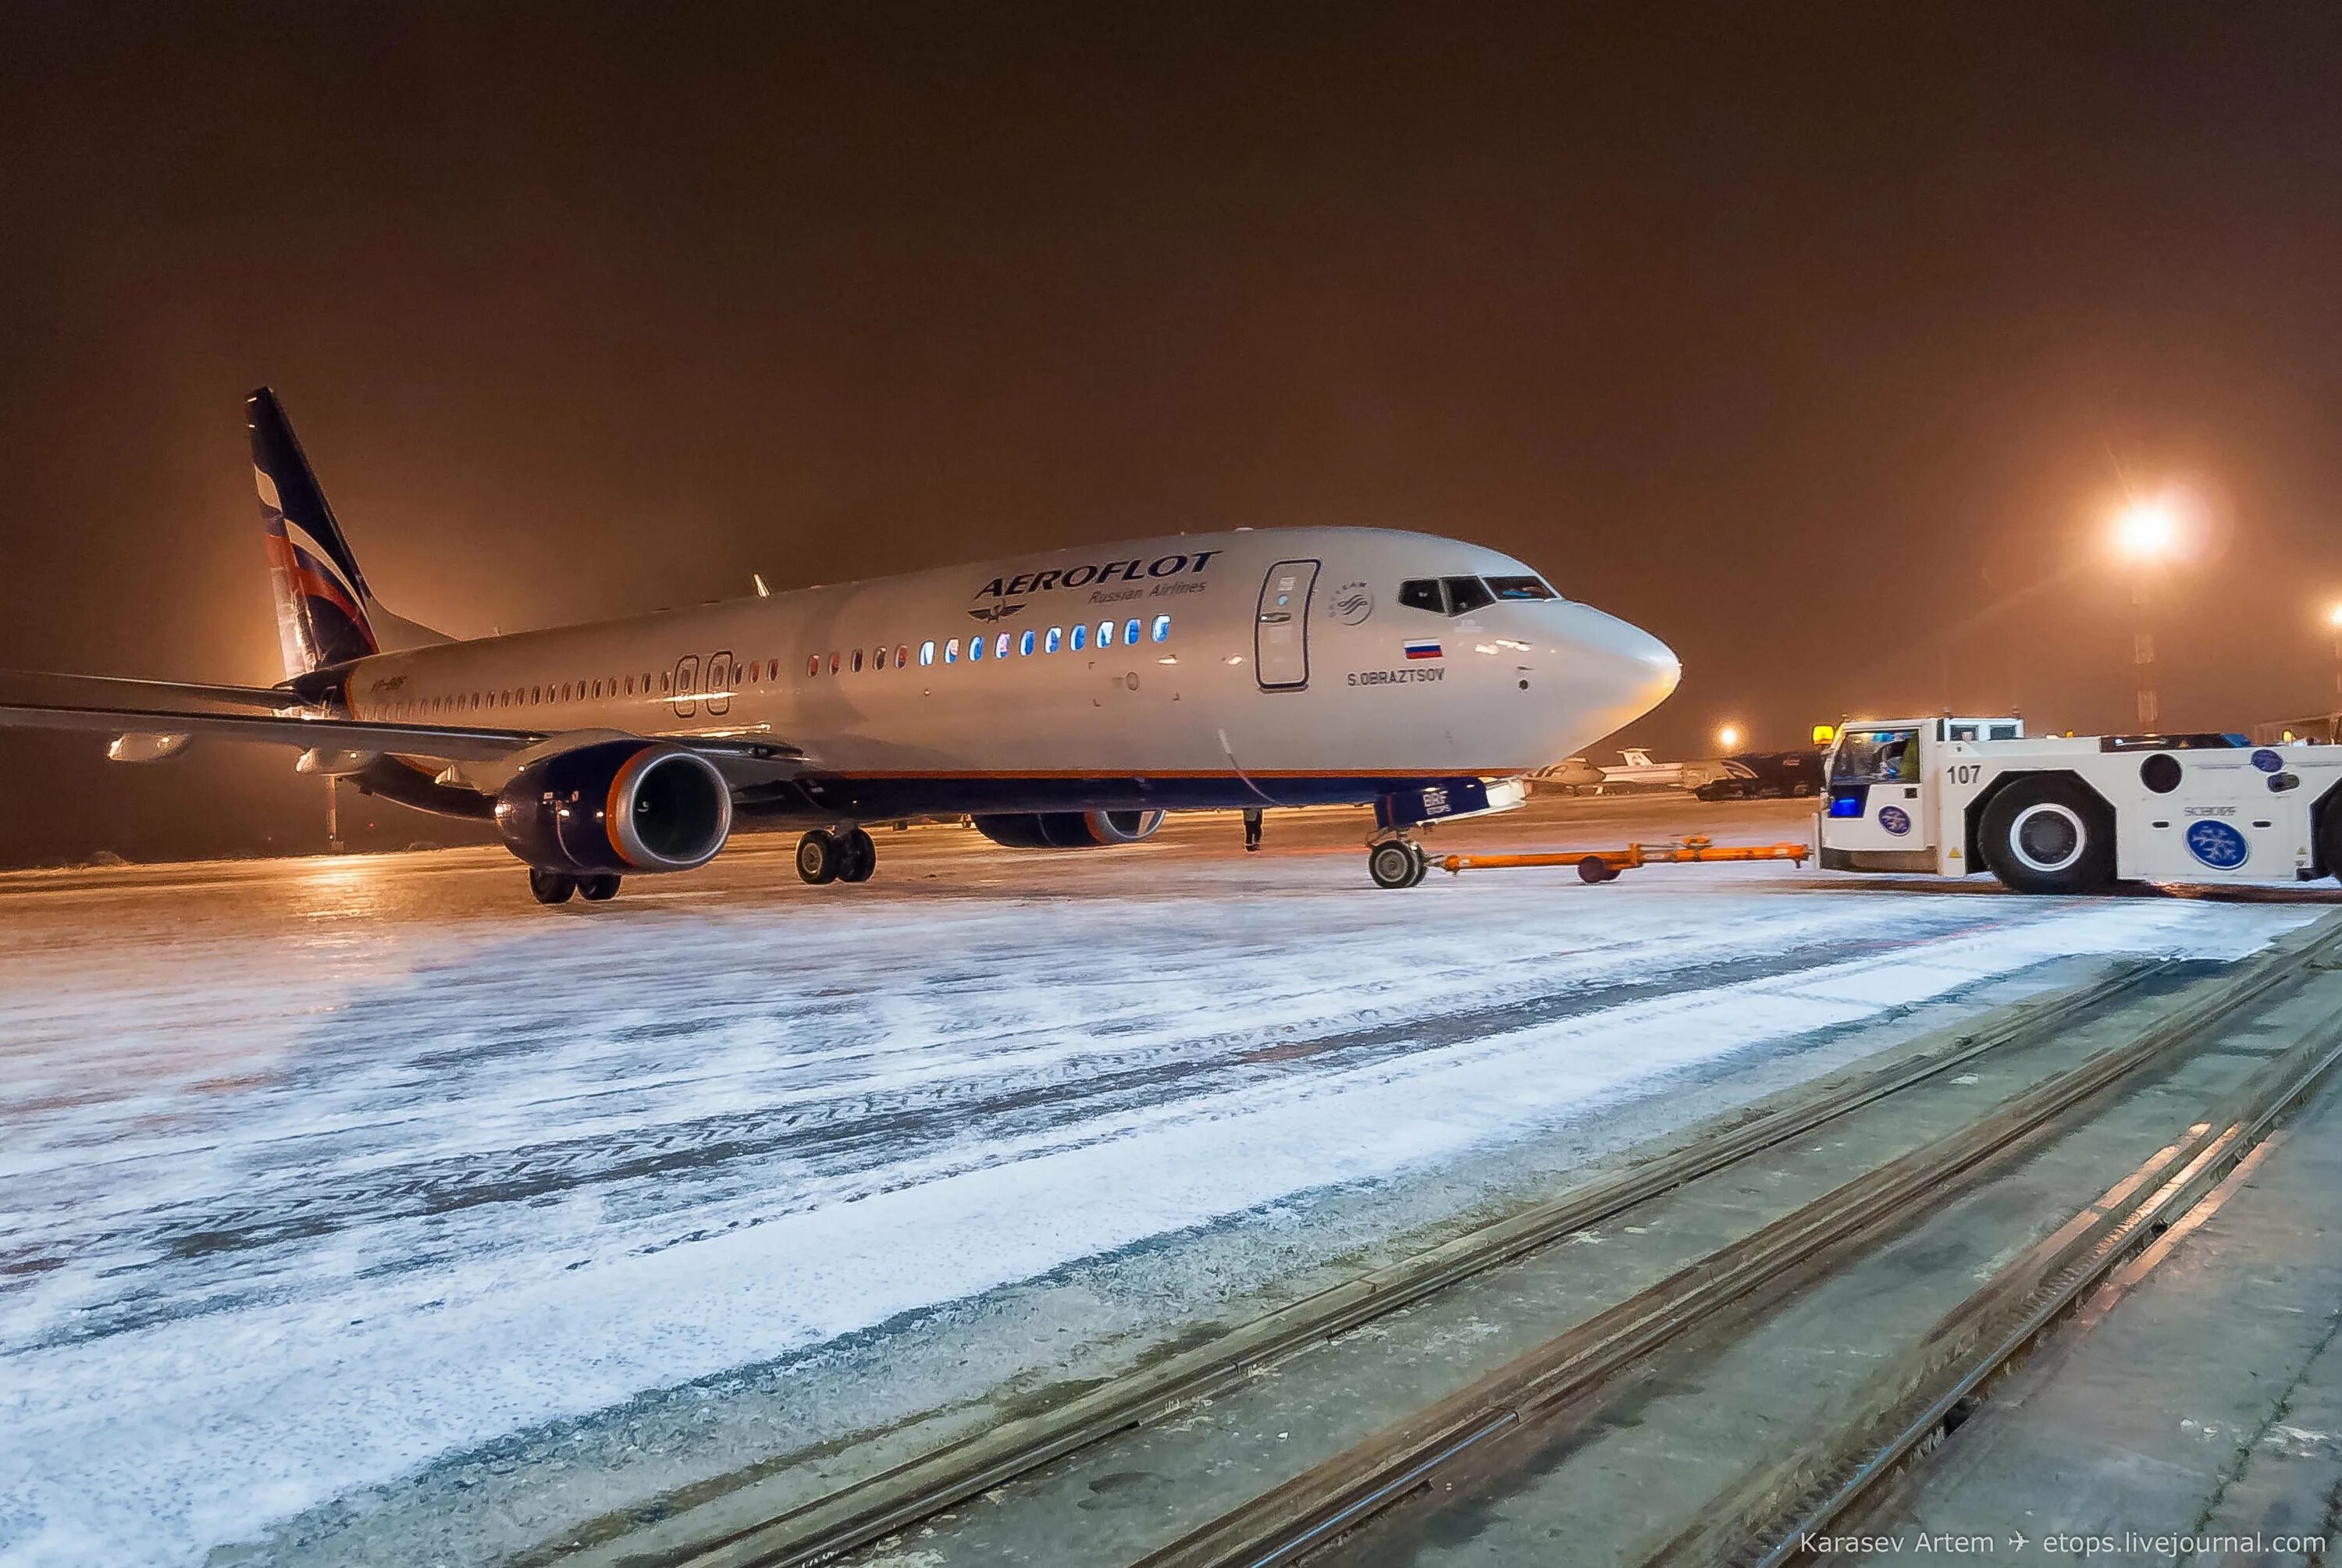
319,1180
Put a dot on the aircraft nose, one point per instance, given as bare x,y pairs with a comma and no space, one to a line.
1611,673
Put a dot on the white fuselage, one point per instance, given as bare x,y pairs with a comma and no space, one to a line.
1154,671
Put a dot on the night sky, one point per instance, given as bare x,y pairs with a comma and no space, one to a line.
1819,342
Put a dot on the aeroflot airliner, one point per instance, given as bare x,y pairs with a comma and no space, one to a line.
1060,700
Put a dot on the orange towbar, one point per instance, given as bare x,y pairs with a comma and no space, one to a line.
1605,865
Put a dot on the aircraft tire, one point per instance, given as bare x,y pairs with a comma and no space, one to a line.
1396,864
598,889
858,858
818,854
551,886
2048,834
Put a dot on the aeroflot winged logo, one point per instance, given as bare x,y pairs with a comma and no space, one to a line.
1137,578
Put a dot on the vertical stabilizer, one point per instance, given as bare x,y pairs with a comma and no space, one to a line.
325,612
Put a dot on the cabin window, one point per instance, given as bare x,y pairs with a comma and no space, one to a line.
902,655
646,683
1049,643
857,661
926,652
976,647
813,665
1162,627
1423,593
1105,634
1000,649
951,651
537,694
597,688
833,664
1024,643
1081,635
1130,632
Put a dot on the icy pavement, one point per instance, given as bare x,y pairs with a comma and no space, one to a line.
312,1172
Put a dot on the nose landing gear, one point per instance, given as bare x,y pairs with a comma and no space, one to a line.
826,856
1396,863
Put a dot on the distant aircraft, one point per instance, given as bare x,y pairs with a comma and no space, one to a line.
1063,699
1636,771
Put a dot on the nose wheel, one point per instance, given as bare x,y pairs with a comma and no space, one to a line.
1396,863
826,856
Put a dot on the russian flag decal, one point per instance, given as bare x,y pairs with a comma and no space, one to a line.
1422,650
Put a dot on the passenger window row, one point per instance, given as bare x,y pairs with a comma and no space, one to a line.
1032,640
1105,635
1462,595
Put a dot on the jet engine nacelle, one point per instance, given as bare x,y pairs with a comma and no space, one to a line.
1069,829
616,807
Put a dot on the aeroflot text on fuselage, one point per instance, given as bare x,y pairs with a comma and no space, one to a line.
1090,574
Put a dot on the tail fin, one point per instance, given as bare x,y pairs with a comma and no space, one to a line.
325,612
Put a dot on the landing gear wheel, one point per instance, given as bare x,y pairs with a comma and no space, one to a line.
2048,835
598,889
818,856
551,886
857,856
1395,863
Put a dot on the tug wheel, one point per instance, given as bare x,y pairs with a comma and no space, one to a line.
2048,835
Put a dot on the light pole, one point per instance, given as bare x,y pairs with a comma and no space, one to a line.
2147,534
2334,624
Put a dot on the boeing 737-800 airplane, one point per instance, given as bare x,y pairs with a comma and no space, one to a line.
1061,699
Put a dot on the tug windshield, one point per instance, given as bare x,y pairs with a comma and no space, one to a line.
1876,756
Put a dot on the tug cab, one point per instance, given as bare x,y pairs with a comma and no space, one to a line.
2062,814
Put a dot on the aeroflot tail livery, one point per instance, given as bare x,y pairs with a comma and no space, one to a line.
1061,700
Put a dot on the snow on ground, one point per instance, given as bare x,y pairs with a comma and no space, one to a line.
311,1172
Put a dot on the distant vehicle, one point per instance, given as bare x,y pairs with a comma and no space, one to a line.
2066,813
1766,775
1062,700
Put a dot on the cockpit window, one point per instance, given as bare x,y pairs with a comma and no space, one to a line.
1423,593
1520,588
1466,594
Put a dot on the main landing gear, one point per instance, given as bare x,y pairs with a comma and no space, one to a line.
1396,863
555,887
846,857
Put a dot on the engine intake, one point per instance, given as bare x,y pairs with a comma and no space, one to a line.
617,805
1069,829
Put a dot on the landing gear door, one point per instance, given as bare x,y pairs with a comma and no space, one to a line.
1280,641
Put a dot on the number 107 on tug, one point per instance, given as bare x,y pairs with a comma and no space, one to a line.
2065,814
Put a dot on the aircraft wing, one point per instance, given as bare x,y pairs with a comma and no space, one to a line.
446,742
125,688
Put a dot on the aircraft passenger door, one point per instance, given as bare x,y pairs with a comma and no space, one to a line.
1280,636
